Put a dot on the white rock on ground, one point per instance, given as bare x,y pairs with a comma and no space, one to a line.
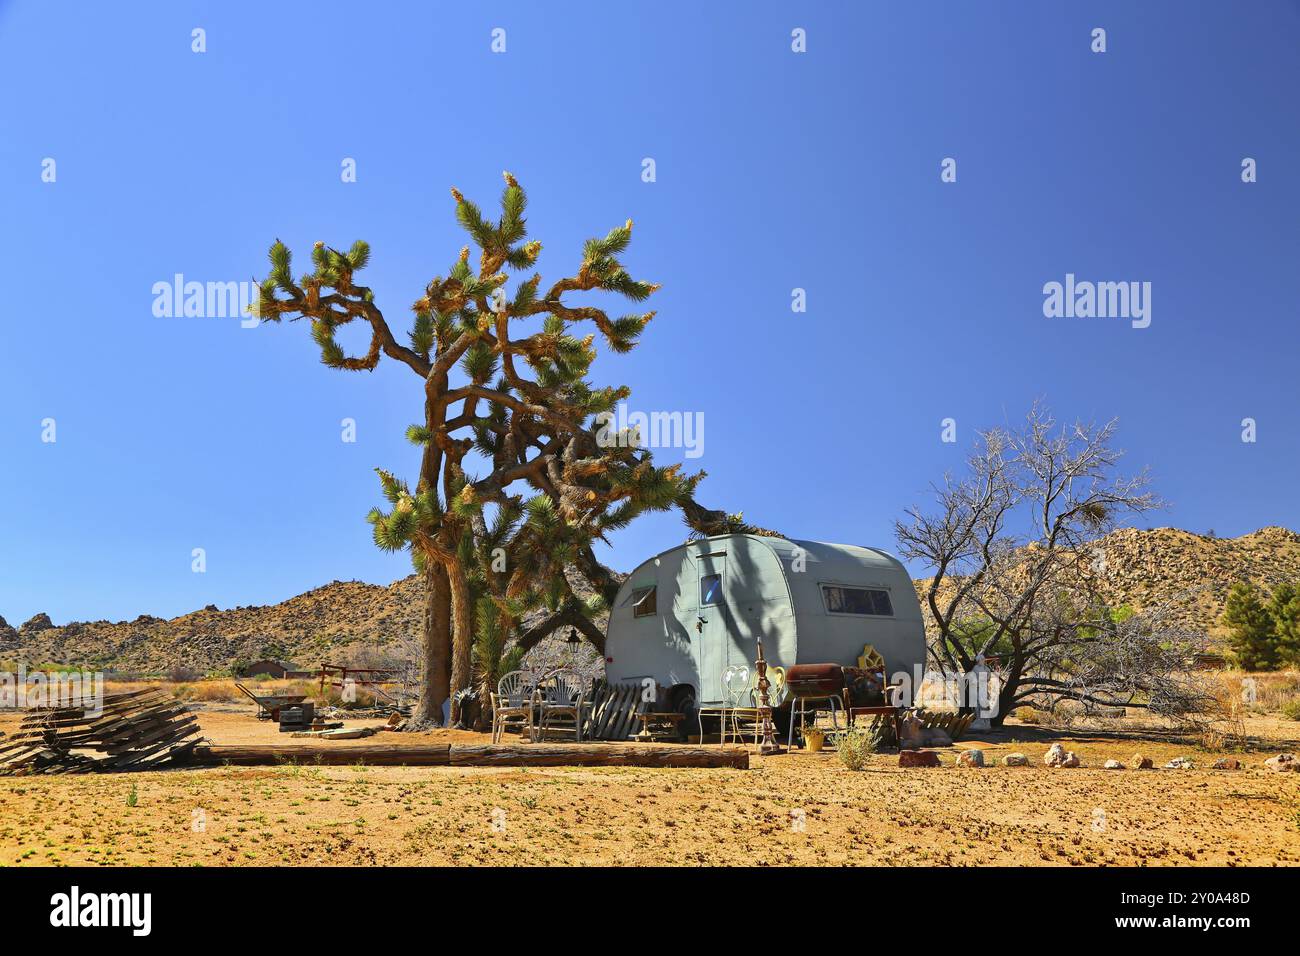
1058,756
1113,765
1283,763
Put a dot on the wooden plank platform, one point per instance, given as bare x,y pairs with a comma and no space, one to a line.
474,755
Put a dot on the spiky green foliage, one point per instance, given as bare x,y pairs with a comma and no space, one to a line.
503,396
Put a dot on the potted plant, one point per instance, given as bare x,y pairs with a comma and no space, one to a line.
813,738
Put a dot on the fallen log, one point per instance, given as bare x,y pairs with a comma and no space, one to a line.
471,755
374,755
596,755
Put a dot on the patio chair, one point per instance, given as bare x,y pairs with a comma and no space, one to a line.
747,719
732,685
562,695
513,703
735,690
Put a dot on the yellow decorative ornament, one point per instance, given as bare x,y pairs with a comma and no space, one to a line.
870,659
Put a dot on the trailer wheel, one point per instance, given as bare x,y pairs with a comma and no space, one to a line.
682,700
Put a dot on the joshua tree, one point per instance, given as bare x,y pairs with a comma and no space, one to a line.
522,406
1033,597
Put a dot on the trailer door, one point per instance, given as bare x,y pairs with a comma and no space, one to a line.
711,626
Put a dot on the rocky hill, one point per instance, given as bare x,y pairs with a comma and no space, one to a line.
1190,571
353,622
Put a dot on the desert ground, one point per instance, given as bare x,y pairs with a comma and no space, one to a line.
800,808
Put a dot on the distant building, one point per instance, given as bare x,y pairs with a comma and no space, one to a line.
277,669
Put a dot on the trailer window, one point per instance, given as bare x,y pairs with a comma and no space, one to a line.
840,600
710,589
643,602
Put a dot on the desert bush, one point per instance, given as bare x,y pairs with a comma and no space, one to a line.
855,745
1028,715
1291,709
180,673
208,690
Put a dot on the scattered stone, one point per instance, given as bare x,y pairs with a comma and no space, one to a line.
970,758
1181,763
1058,756
917,758
1227,763
1141,762
1113,765
1015,760
1283,763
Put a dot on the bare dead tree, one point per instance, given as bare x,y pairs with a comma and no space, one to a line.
1009,545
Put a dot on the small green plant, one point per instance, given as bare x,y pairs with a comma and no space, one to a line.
855,746
133,797
1291,709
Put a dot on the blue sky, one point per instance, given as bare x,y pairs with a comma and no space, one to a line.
775,170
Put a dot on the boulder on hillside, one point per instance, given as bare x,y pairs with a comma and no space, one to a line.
7,633
35,624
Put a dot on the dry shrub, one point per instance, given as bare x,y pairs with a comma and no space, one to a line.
1223,724
1027,715
855,746
1263,692
211,691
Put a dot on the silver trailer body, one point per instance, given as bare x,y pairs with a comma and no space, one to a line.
682,617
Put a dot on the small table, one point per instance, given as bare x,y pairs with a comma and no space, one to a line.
658,725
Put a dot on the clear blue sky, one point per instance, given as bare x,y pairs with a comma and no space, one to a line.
775,170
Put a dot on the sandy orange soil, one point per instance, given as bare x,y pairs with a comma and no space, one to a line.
793,809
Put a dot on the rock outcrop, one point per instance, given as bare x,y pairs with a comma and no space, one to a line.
1143,568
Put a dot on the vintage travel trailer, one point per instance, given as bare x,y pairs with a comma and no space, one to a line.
682,617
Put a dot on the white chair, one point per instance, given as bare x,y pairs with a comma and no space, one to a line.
513,703
735,690
563,694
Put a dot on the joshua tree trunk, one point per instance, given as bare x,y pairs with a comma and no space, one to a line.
462,627
437,647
